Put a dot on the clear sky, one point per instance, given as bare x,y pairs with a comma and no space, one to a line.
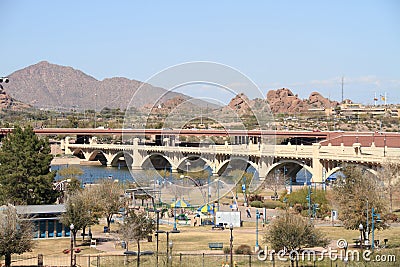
302,45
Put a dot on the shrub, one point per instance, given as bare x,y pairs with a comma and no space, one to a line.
256,204
226,250
391,217
243,249
298,200
273,204
298,207
255,198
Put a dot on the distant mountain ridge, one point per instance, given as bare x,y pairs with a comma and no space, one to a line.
46,85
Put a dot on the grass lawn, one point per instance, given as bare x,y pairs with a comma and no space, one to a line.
194,240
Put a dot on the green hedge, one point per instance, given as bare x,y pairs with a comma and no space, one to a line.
269,204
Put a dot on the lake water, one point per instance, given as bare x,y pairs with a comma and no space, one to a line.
93,173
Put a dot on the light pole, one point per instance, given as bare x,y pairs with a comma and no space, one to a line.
175,229
231,244
217,180
157,232
169,245
309,202
361,228
257,217
95,109
71,227
378,219
208,189
187,167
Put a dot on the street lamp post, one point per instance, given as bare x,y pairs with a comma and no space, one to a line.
167,248
157,232
231,244
378,219
175,229
169,245
71,227
361,228
257,217
187,167
217,180
208,190
309,202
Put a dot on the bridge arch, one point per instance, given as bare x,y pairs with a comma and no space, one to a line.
79,153
189,158
147,161
224,165
339,168
288,161
98,155
116,160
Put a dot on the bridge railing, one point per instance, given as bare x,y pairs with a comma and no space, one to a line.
341,153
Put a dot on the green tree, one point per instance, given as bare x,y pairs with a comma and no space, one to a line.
293,232
136,227
25,168
15,234
356,190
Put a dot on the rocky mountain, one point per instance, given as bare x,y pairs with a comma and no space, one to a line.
9,103
284,101
46,85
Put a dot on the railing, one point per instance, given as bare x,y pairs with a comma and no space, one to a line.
340,153
209,259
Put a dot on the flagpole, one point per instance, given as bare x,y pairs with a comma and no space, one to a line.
385,98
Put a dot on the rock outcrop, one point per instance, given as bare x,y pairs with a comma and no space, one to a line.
284,101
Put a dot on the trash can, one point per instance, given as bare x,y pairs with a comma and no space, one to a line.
149,238
106,230
123,244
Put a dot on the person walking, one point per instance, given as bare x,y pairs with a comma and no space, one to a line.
248,213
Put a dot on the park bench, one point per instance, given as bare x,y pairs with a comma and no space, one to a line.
215,245
219,226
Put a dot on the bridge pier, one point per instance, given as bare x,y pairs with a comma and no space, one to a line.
317,166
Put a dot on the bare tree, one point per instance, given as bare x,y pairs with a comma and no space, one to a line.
83,209
15,233
136,227
389,174
274,182
110,193
353,191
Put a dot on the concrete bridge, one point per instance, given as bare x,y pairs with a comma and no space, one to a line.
321,161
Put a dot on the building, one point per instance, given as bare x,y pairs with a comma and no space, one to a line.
46,219
352,110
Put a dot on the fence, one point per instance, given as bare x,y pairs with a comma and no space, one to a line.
176,260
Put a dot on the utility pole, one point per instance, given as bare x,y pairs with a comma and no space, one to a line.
342,88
